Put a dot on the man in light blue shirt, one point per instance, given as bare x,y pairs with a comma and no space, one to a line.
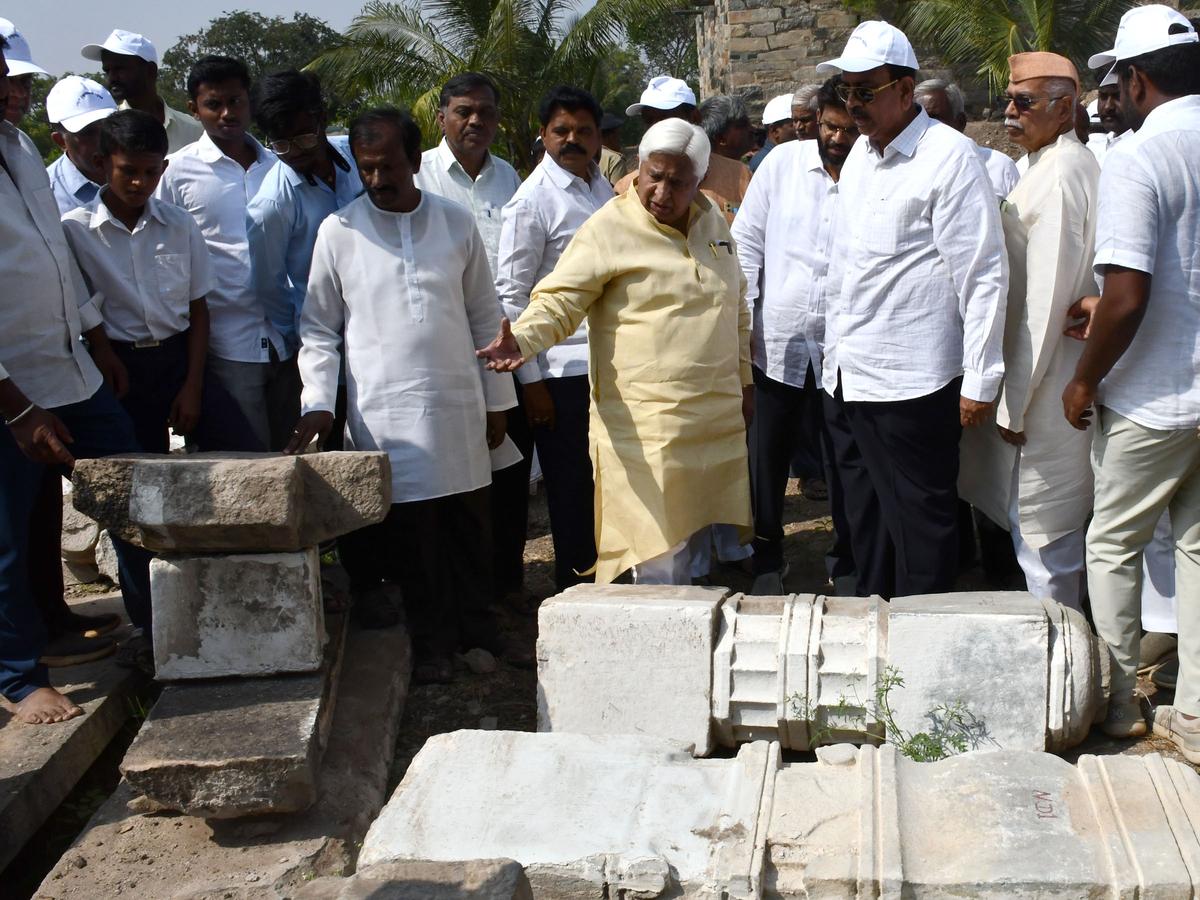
318,177
75,107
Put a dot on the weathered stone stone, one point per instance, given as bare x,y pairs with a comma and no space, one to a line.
479,879
616,659
241,614
106,558
238,747
79,535
213,502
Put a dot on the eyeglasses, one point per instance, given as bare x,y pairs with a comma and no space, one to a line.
850,131
299,142
1026,102
863,94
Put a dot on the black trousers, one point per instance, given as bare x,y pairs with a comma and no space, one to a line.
898,464
567,469
439,552
510,507
789,421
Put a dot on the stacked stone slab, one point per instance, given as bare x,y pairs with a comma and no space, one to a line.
601,816
236,587
712,669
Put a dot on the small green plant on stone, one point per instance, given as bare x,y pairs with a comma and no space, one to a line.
954,728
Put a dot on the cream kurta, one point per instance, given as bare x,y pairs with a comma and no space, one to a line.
669,338
1049,230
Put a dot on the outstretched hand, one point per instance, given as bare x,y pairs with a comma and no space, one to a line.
503,354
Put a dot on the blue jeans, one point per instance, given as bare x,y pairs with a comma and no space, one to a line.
99,427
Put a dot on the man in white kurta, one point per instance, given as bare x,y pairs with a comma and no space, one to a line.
400,289
1031,474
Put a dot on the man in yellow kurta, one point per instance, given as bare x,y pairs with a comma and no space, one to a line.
656,274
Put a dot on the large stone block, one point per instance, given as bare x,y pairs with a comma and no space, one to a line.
79,535
242,614
600,647
477,879
214,502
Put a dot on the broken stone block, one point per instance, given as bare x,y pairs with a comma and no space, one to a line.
601,816
479,879
238,747
241,614
79,535
601,646
221,502
106,558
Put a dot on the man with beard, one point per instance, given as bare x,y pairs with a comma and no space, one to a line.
914,319
1108,108
536,226
784,236
21,72
130,64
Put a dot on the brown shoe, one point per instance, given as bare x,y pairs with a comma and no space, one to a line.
1125,719
87,626
72,650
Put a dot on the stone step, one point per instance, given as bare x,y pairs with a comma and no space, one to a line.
241,746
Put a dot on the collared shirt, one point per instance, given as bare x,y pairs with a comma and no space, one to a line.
725,184
441,173
1149,218
145,279
1001,171
537,225
46,306
920,274
613,165
182,128
72,189
1102,144
282,222
406,298
761,154
783,233
215,189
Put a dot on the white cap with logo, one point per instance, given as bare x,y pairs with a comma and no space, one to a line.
1144,29
871,45
76,102
123,43
663,92
778,109
18,55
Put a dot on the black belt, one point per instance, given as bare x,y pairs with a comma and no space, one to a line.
149,344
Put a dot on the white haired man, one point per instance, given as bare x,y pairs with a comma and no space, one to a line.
671,387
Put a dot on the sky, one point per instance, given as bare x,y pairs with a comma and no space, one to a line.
56,30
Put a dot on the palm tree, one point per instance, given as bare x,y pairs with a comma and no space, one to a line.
984,33
403,52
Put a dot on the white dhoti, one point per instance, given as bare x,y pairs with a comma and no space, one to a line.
1054,571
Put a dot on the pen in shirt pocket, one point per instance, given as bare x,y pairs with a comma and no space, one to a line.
713,245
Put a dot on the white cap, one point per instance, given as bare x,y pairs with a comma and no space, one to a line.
1093,111
18,55
1144,29
123,43
663,92
778,109
76,102
871,45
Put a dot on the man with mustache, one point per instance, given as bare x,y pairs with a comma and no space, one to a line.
21,72
1108,108
1031,473
914,319
537,224
784,236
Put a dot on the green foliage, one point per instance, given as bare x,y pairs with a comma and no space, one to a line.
953,728
668,41
983,33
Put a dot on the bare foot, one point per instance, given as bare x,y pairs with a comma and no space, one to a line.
42,707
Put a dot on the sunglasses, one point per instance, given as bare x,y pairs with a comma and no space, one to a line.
1026,102
863,94
299,142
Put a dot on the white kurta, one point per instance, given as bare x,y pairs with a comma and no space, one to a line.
1049,230
412,295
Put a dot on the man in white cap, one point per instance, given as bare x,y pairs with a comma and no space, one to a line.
1031,475
944,101
665,97
21,71
777,119
1139,374
914,320
1112,119
130,65
75,107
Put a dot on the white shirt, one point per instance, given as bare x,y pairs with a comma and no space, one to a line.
182,128
72,189
783,231
536,227
441,173
146,279
407,297
215,189
1101,144
1149,221
1001,171
920,276
46,305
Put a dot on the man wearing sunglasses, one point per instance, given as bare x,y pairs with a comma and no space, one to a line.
914,319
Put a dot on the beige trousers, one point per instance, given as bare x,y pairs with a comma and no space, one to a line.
1139,473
